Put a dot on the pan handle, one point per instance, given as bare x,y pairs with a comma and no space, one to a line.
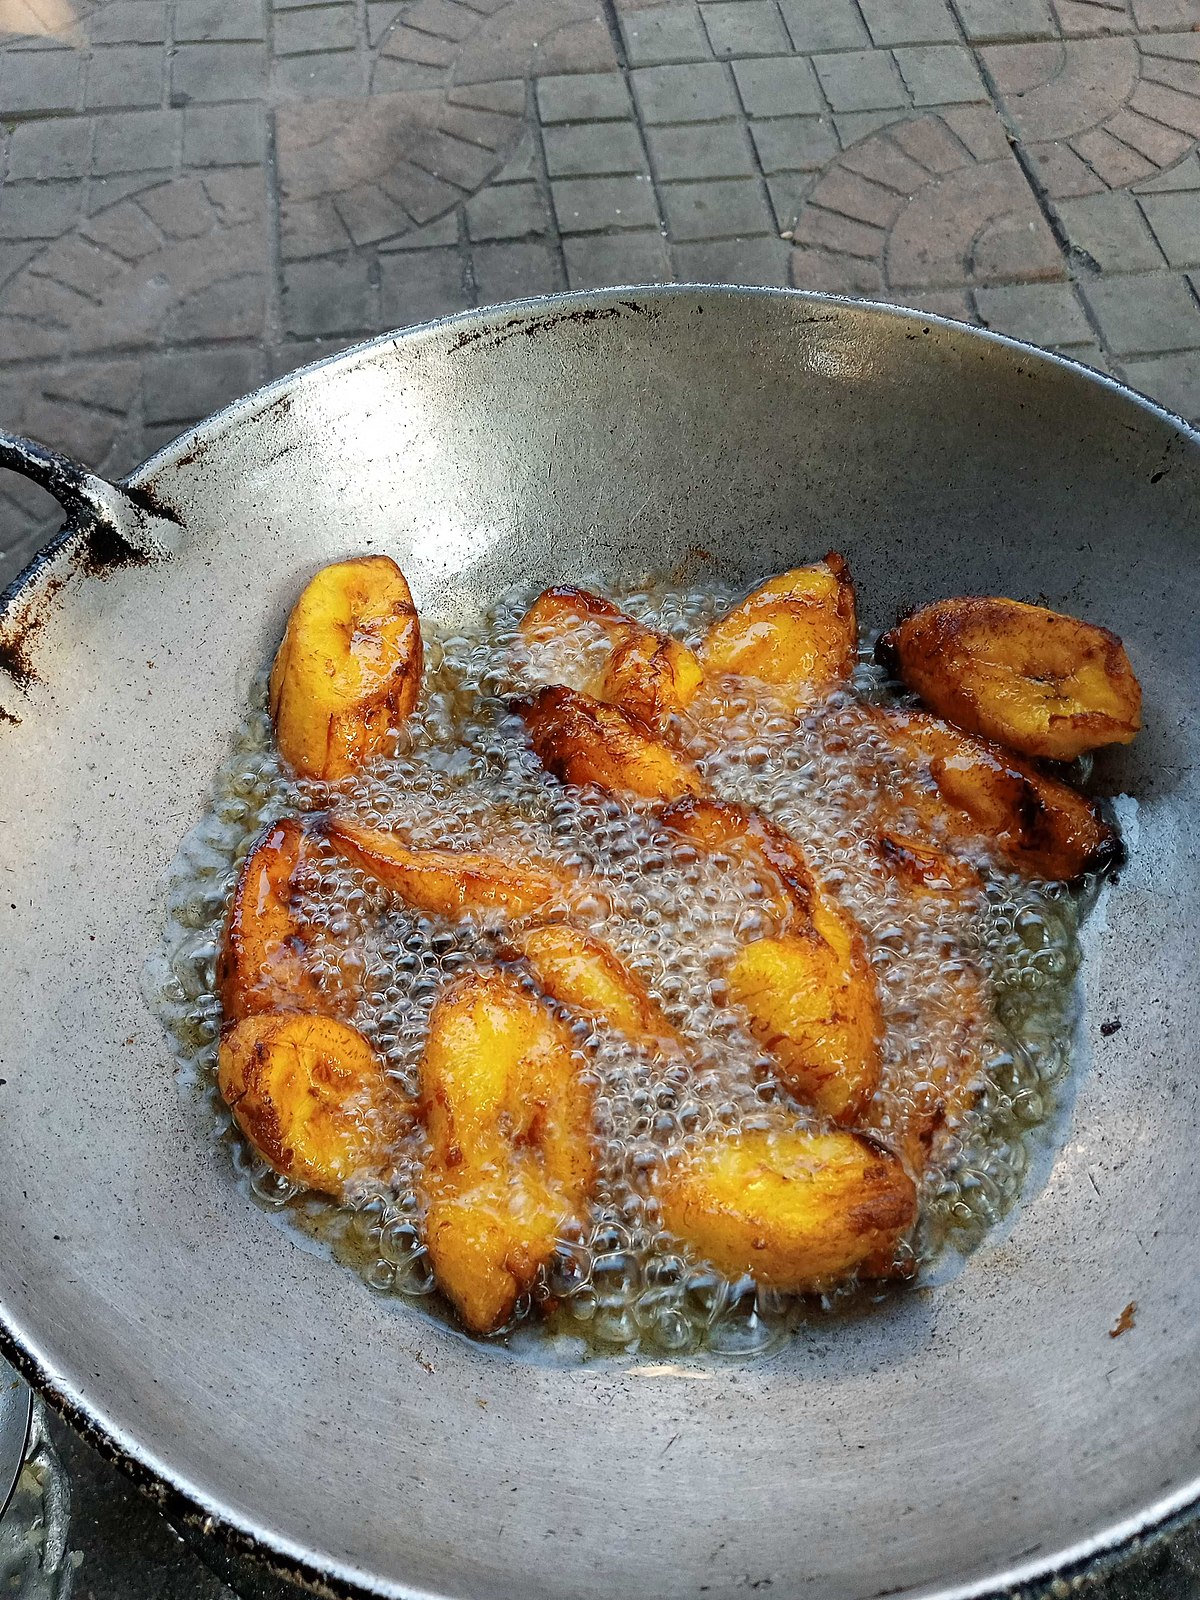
127,518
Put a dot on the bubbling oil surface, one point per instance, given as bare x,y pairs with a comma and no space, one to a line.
990,971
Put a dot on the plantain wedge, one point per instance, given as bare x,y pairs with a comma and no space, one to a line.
312,1097
348,670
581,740
1039,682
262,964
798,1211
512,1153
587,975
797,632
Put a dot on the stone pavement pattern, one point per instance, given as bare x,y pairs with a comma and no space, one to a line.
199,194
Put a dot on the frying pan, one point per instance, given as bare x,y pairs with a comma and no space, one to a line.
959,1439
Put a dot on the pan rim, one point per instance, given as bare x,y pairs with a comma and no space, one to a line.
176,1495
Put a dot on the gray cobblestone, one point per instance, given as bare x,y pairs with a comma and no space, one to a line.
583,97
1112,230
315,77
507,212
701,150
510,271
136,141
444,231
318,28
745,28
1145,315
938,75
213,72
861,80
420,285
47,80
593,149
719,209
784,87
1175,219
328,297
60,147
125,75
599,260
1172,380
664,34
38,210
223,136
759,260
589,205
831,25
1042,313
794,144
128,22
998,21
909,21
197,21
700,92
180,388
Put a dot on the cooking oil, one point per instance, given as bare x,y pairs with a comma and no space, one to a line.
983,974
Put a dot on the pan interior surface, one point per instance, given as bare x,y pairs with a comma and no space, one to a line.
958,1435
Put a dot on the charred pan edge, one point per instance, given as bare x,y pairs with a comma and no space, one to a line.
7,1490
1028,1575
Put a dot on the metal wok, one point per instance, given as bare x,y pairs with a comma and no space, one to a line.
958,1440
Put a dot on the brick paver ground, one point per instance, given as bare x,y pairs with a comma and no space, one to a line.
198,194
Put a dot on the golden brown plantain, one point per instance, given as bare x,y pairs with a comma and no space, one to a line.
810,993
797,632
1044,827
446,883
311,1096
581,740
797,1211
512,1152
586,974
922,868
349,668
589,644
262,965
1042,683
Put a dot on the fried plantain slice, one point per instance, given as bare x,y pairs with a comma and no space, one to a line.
1035,680
921,867
349,668
510,1119
588,644
581,740
1044,827
797,632
798,1211
810,993
446,883
586,974
262,964
312,1096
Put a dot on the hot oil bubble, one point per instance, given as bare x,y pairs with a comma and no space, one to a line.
985,978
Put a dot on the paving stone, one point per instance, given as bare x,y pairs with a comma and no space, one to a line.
938,302
318,28
1040,313
665,34
39,210
223,136
583,97
939,75
444,231
700,150
511,271
507,212
1175,219
45,80
380,16
589,205
600,261
328,297
127,22
700,92
854,126
1174,381
720,208
181,387
1184,175
197,21
1144,315
136,141
831,25
59,147
593,149
313,77
762,260
212,72
421,285
1112,230
794,144
745,28
909,21
523,162
785,86
125,75
862,80
985,21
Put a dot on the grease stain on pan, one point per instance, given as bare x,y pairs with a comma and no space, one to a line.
531,327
